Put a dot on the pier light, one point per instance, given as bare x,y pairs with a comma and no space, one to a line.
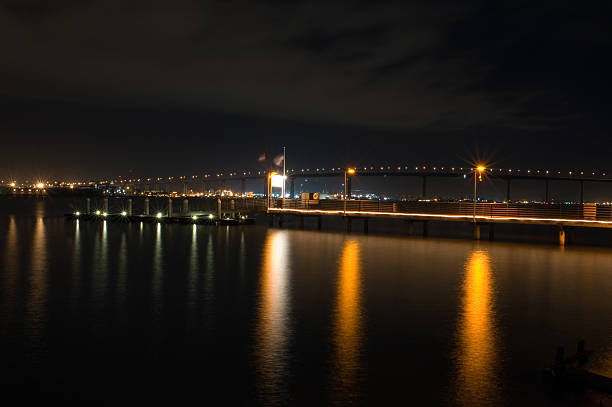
210,216
13,184
350,171
77,213
194,217
40,185
98,213
104,214
124,213
159,215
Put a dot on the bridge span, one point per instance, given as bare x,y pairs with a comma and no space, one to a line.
237,180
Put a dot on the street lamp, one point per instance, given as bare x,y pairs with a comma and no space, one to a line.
479,169
347,172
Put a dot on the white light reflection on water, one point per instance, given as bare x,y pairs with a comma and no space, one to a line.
157,268
11,263
76,262
273,313
476,343
209,278
193,267
122,272
37,293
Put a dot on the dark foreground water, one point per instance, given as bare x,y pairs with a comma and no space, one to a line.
108,313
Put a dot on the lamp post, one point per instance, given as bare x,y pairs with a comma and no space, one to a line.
347,172
478,169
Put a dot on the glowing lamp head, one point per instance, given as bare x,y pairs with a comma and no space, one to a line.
97,212
194,217
77,213
159,215
210,216
104,214
350,171
40,185
124,213
481,168
13,184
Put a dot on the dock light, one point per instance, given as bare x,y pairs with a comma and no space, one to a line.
350,171
13,184
194,217
104,214
210,216
98,213
123,213
77,213
159,215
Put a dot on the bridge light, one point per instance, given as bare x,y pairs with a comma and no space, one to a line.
40,185
480,168
350,171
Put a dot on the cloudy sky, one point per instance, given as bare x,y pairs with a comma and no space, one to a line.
102,87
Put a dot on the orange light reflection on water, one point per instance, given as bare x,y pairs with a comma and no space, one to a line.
348,322
476,352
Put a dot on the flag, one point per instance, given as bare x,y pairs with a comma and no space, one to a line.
262,157
278,160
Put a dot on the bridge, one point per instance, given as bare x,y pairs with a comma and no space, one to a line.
237,179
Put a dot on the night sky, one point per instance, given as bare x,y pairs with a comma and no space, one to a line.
102,88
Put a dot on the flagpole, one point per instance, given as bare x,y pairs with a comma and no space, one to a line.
284,155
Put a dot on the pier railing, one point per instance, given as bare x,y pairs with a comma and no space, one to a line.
589,211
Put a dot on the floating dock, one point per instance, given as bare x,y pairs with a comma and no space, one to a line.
191,220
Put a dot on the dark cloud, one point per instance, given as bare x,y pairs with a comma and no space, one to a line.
417,69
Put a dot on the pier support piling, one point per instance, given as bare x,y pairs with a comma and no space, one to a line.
105,207
425,228
491,231
185,206
146,206
319,222
561,236
302,222
365,225
169,207
409,227
129,207
347,223
88,206
476,231
218,208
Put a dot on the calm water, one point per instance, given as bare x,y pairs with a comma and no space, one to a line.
158,314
